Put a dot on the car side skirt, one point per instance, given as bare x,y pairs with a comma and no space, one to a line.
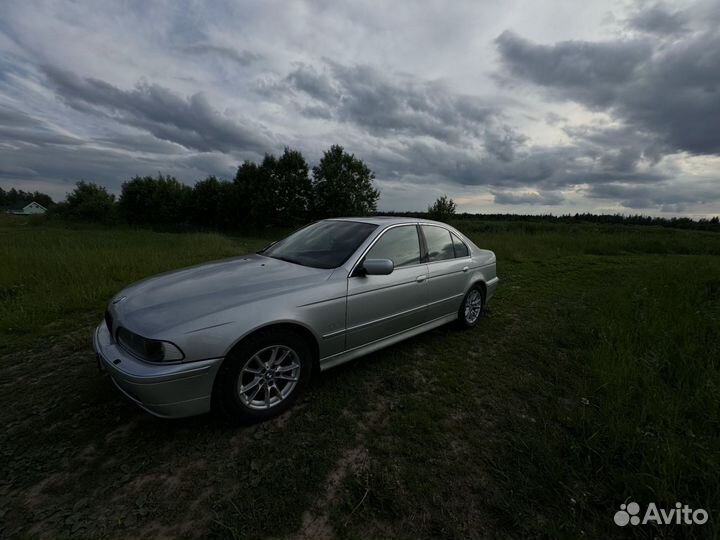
346,356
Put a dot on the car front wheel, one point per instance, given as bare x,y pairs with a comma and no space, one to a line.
263,376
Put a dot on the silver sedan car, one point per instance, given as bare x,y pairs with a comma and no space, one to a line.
244,335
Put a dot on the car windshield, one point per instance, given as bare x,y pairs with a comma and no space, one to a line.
325,244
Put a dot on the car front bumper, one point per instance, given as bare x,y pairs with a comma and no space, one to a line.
165,390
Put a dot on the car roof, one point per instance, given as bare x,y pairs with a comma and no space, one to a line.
388,220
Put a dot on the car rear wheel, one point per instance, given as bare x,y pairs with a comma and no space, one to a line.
263,376
471,308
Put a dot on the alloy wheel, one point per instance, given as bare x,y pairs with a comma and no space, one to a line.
269,377
473,306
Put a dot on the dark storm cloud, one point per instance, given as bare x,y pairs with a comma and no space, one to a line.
585,71
442,136
421,98
317,85
386,106
502,143
659,20
243,58
191,122
594,156
669,89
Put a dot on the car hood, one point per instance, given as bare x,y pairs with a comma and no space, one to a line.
191,294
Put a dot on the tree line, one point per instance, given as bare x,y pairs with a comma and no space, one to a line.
14,196
703,224
278,191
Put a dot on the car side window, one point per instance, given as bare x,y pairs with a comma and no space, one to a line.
461,249
400,244
439,243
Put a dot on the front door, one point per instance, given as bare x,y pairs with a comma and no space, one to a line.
381,306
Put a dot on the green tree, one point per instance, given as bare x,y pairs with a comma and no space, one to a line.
155,201
442,209
245,182
14,196
294,188
88,202
343,185
213,204
257,191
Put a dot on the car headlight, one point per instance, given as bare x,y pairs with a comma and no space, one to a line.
150,350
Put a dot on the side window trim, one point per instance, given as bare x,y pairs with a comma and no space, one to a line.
423,245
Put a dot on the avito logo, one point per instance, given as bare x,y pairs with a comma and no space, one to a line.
680,515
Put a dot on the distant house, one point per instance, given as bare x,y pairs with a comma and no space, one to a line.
25,208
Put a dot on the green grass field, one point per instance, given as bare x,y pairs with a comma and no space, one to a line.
592,380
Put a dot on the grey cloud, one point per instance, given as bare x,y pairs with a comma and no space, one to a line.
107,166
385,105
191,122
670,197
13,171
503,142
244,58
658,19
17,136
317,85
10,117
18,128
139,142
670,91
533,168
657,80
317,111
553,118
590,72
528,197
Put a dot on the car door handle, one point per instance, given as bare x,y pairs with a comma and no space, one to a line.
466,268
422,278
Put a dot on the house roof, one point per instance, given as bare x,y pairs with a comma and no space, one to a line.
20,206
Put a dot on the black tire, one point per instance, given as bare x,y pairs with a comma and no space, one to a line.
475,293
227,398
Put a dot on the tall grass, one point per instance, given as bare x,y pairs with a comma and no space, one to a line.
47,274
518,241
630,353
626,317
656,359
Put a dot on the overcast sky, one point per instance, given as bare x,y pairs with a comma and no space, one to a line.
506,106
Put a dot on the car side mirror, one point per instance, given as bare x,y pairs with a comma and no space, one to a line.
378,267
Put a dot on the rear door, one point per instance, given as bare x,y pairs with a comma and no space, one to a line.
380,306
448,260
